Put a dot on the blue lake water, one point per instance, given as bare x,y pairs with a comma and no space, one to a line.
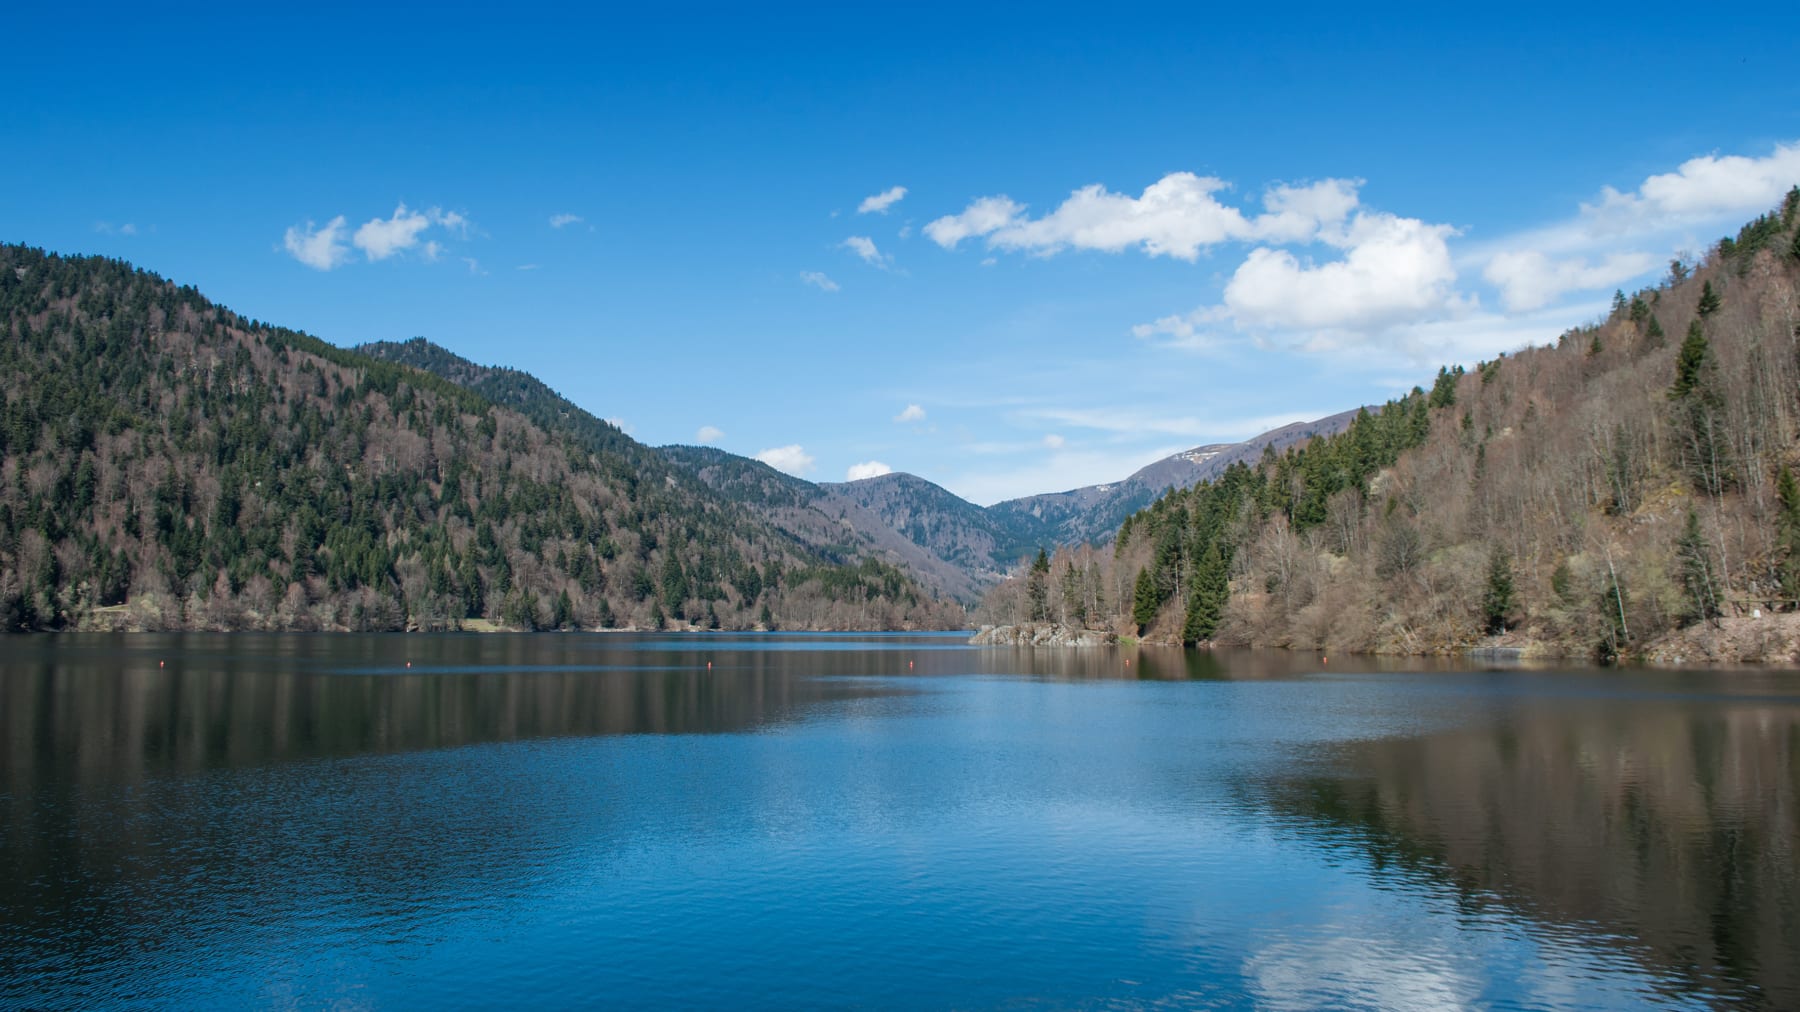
882,822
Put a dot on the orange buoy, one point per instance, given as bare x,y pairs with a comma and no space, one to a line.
409,664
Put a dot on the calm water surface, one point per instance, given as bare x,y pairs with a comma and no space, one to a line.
882,822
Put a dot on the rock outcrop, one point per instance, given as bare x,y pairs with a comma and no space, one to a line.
1042,634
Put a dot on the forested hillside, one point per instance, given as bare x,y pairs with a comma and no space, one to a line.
1628,492
165,463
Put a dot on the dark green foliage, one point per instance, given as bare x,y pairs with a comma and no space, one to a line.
1443,392
1787,533
1498,602
1653,333
1037,588
1697,576
248,475
1186,526
1207,600
1144,600
1691,361
1709,300
1562,582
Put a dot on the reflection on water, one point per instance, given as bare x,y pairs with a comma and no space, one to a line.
1666,825
904,820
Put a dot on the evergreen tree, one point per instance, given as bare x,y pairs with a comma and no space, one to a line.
1500,599
1207,600
1696,572
1618,302
606,618
766,618
1787,533
1144,601
1653,333
1709,301
1037,588
1691,361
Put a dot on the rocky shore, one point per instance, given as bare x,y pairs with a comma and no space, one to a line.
1042,634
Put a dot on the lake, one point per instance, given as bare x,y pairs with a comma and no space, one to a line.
903,821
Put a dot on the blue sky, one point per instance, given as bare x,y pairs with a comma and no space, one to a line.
1123,231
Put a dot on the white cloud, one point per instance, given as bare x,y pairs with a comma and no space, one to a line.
1704,187
867,469
818,280
381,238
1185,330
864,247
1176,216
620,424
1395,270
880,202
108,228
561,220
979,218
709,434
526,267
1529,280
318,248
911,413
1054,441
792,458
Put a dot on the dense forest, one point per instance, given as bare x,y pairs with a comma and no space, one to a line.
1629,491
165,463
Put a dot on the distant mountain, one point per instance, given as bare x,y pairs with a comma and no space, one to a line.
842,523
170,464
1094,513
950,545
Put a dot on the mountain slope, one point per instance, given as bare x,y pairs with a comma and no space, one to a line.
1627,492
1094,512
165,463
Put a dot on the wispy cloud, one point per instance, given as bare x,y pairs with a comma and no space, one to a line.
880,202
864,247
709,434
818,280
321,248
564,219
108,228
910,413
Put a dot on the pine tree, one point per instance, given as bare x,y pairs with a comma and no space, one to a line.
1144,600
1653,333
1709,301
1787,532
1206,603
1690,362
1696,572
1037,588
1500,600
